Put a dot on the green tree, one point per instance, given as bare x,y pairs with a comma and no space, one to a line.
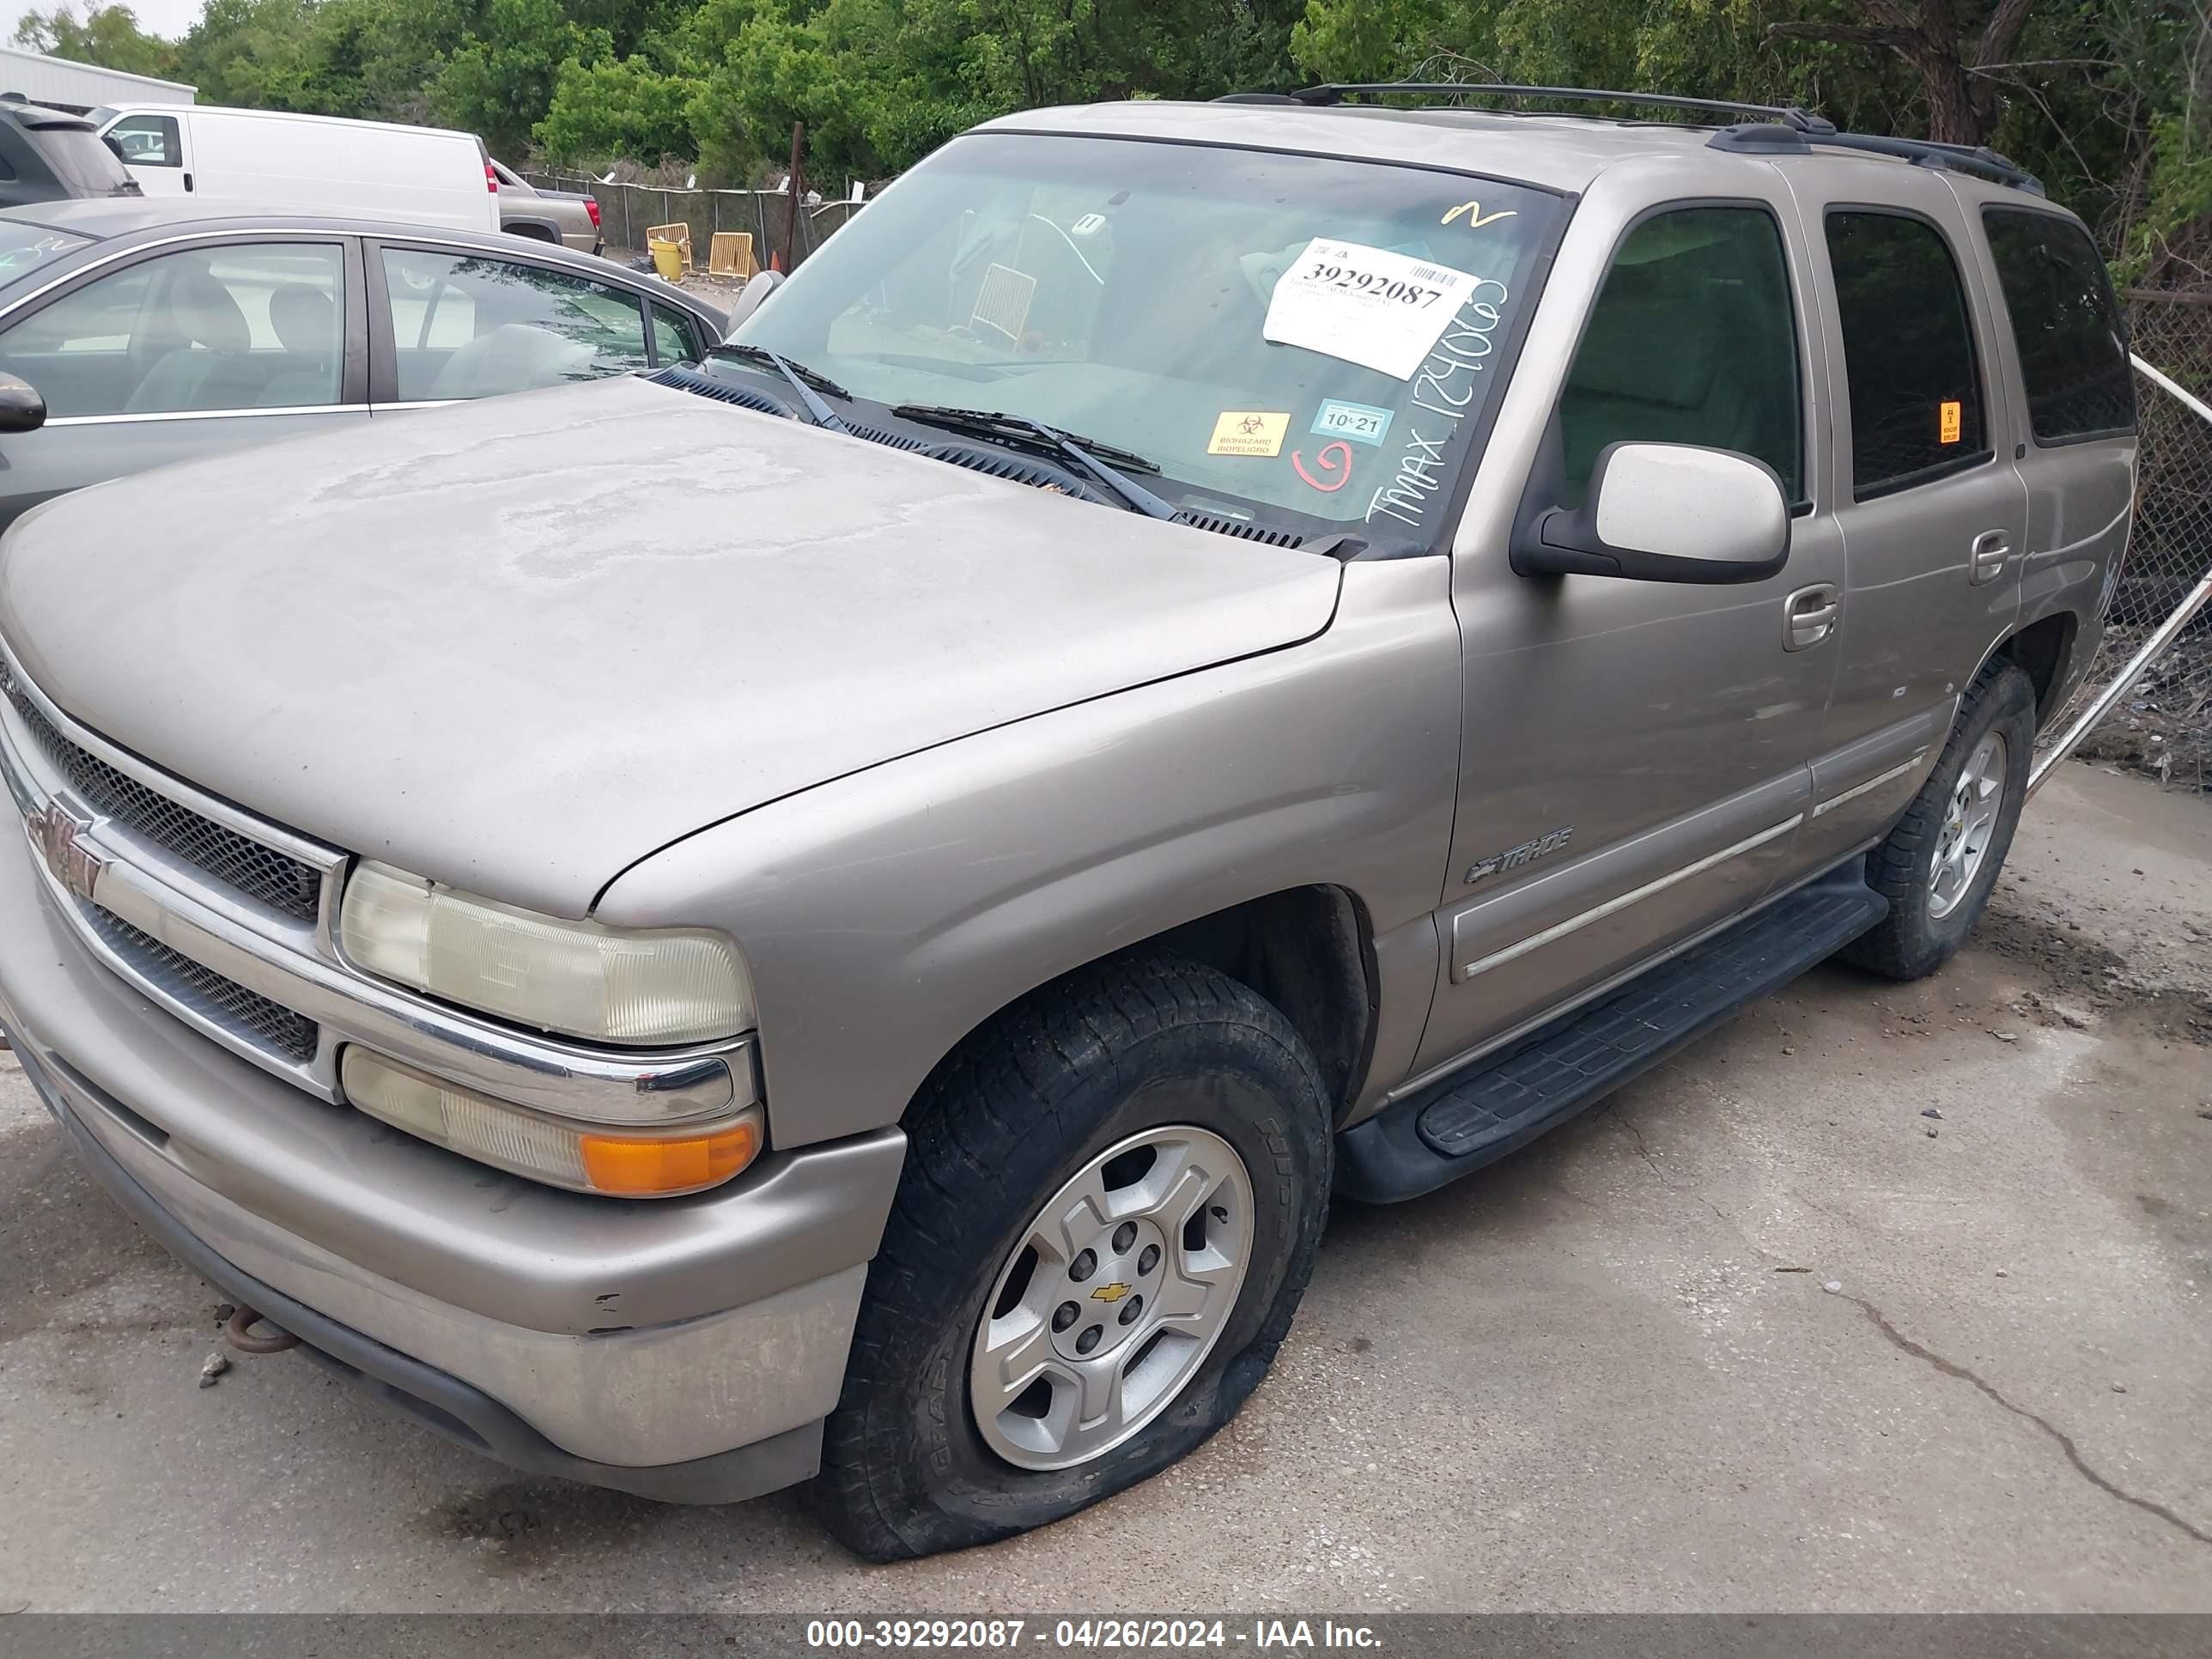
621,107
257,53
107,35
1954,46
499,82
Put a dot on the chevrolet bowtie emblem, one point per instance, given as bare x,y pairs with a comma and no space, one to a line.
58,833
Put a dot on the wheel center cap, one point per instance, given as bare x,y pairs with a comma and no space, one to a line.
1111,1300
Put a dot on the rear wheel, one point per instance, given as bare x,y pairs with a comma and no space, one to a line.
1938,866
1111,1202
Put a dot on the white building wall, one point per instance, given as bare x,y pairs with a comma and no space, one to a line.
46,80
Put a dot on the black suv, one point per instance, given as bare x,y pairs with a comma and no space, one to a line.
47,155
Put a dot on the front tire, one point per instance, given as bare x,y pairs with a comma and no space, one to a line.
1938,866
1147,1134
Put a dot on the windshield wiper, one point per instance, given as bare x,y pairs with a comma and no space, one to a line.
803,381
1020,429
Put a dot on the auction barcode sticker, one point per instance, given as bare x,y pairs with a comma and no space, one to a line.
1365,305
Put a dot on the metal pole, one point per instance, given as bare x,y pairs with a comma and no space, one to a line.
2161,636
2189,400
797,188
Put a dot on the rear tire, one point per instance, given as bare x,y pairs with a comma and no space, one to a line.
1046,1100
1937,866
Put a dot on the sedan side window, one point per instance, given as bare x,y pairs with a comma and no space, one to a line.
674,338
207,330
467,326
1908,352
1693,340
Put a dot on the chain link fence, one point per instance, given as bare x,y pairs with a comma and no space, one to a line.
625,211
2162,726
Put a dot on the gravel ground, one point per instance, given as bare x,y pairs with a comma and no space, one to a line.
1881,1298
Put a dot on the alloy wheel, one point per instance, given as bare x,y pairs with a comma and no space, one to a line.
1969,822
1112,1298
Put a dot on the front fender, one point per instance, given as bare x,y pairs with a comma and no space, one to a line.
887,914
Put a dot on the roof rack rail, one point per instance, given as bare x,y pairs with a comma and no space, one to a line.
1787,129
1337,93
1765,138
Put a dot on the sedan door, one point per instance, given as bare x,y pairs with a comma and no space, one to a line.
183,353
451,322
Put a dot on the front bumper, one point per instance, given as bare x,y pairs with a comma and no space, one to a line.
684,1349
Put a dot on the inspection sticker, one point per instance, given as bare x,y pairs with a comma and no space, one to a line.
1363,424
1365,305
1250,432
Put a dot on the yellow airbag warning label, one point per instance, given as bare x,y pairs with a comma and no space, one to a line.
1947,422
1249,432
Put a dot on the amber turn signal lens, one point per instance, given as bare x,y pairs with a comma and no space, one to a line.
636,1168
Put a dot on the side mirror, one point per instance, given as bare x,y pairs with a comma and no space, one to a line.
752,296
21,409
1665,512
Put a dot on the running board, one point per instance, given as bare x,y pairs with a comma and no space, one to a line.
1505,1100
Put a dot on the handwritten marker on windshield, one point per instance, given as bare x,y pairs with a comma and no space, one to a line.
1476,218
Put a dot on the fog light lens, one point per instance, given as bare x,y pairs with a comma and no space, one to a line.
492,1132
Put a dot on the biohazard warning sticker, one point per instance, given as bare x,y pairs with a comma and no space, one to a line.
1250,432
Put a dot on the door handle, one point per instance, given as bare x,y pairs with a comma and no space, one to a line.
1809,615
188,183
1986,561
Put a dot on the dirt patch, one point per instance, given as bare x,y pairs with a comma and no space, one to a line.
2081,979
2163,727
520,1526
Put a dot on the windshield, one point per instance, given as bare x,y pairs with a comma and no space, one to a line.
1294,341
27,248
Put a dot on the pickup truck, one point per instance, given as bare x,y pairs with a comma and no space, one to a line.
568,217
1194,658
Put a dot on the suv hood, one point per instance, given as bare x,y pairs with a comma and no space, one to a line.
518,645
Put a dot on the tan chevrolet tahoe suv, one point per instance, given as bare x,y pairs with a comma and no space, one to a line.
1194,658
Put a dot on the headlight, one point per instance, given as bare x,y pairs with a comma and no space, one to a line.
667,985
492,1132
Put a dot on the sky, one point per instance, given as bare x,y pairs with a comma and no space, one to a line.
165,17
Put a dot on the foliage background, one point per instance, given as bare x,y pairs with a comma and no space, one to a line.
2110,102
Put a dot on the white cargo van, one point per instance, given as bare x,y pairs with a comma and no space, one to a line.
319,163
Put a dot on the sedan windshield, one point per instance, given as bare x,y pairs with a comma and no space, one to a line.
27,248
1294,342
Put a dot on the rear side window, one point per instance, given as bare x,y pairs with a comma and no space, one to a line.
82,161
671,337
2073,355
469,325
1692,340
1908,352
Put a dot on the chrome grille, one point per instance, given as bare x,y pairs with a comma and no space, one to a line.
276,879
224,1002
